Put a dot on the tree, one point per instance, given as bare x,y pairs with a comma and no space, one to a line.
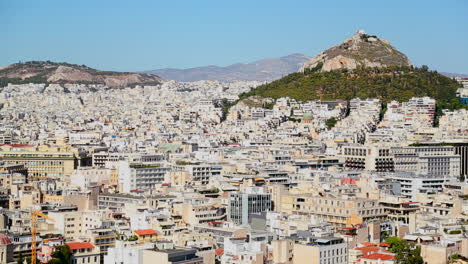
331,122
20,259
62,255
406,253
384,235
28,260
133,238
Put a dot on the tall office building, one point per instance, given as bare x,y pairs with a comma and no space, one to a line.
243,204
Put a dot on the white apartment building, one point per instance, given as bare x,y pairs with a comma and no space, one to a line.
126,252
140,176
437,161
412,184
84,177
75,224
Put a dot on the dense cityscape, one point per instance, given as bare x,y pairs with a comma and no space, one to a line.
128,175
355,155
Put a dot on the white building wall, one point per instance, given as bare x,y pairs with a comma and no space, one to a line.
125,176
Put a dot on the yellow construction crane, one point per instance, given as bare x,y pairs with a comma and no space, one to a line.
35,215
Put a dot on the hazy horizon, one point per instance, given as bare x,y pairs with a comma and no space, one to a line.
126,36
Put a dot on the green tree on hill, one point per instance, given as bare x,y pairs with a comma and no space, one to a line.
399,83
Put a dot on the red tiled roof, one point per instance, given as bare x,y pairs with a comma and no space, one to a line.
17,145
79,245
219,251
348,181
145,232
384,244
379,256
368,244
55,239
4,239
366,251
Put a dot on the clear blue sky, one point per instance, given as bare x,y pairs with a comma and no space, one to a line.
143,35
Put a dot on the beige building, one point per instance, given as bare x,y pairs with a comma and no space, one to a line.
84,253
323,250
42,161
200,210
24,196
340,211
104,238
436,253
179,177
282,251
204,242
74,225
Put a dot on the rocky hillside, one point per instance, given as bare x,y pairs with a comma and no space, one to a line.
360,50
52,72
262,70
366,67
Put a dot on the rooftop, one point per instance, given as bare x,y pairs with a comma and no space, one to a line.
80,245
145,232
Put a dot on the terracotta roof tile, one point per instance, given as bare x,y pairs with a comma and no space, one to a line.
379,256
145,232
80,245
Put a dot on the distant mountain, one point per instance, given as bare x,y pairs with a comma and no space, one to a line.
262,70
53,72
360,50
452,75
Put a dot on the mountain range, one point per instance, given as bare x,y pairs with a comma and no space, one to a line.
261,70
452,75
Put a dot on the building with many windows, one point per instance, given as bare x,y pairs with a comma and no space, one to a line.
437,161
42,161
244,203
412,183
339,211
372,158
140,176
321,250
